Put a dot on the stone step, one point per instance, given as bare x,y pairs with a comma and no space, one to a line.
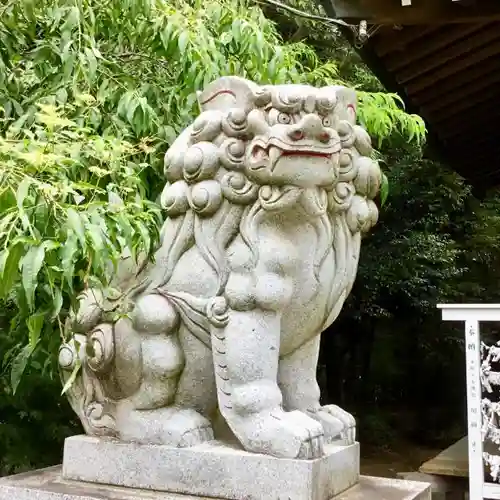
47,484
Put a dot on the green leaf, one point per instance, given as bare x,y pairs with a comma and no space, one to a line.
68,257
92,62
21,194
19,366
35,324
58,303
72,20
10,270
76,224
31,264
71,378
183,41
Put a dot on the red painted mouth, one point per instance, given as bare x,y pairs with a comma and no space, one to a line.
306,153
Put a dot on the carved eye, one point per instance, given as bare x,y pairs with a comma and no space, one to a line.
327,121
284,118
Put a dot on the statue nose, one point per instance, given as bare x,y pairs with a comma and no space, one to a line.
310,127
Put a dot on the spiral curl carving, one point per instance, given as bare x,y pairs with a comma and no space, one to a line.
205,197
274,197
347,166
373,214
173,165
67,357
235,124
362,141
232,154
288,102
361,215
368,178
339,199
262,96
325,105
174,198
101,348
201,162
207,126
217,311
238,189
346,133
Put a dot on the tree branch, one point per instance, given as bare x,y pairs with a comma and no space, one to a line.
305,15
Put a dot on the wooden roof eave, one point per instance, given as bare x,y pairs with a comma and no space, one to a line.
387,12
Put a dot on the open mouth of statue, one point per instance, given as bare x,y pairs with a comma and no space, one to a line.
267,155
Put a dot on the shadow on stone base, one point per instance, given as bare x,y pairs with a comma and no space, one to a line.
47,484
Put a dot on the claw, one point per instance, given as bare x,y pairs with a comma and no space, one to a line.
305,451
316,447
196,436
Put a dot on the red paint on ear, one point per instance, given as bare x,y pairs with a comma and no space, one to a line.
212,97
351,106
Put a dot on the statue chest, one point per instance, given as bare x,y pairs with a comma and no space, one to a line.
287,268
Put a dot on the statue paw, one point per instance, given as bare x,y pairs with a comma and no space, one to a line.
169,426
337,423
184,428
281,434
197,435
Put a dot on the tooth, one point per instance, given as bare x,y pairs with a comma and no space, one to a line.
274,154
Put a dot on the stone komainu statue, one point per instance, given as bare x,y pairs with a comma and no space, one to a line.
267,195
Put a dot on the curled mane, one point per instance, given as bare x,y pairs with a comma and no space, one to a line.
209,199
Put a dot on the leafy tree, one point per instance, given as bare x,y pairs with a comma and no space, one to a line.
91,95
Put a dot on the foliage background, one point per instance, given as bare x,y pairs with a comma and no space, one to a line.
92,93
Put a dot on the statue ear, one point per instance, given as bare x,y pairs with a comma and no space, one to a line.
228,92
346,103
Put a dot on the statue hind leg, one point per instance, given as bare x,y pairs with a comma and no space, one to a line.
297,380
156,413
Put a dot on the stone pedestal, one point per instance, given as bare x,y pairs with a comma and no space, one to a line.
213,469
48,484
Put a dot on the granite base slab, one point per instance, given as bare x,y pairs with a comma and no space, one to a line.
213,469
48,484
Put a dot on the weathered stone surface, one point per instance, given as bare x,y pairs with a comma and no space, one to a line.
267,195
210,469
381,488
47,484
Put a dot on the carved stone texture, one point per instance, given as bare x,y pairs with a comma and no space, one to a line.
47,484
214,469
268,193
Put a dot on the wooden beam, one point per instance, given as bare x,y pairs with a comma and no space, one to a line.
472,111
453,68
469,130
470,76
462,49
481,99
429,45
398,39
467,91
420,12
482,146
475,125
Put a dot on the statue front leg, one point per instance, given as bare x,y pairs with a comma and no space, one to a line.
246,354
297,380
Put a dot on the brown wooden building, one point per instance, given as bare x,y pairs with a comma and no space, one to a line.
443,58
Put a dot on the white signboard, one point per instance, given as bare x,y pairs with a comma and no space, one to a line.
478,375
